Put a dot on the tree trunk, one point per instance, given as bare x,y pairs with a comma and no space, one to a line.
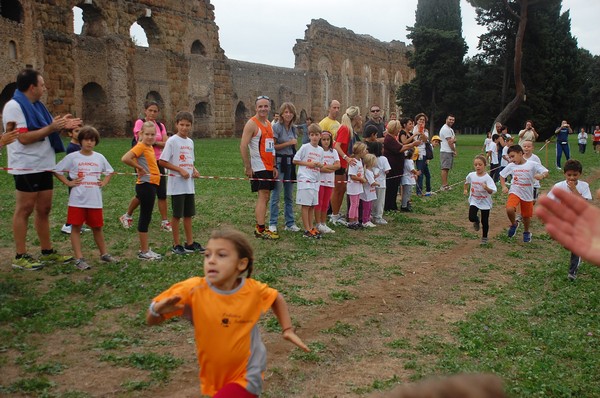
512,106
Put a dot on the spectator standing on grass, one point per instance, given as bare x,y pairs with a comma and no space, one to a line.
494,160
356,179
151,111
286,138
369,193
142,158
528,133
329,122
597,139
447,150
582,140
178,156
562,142
573,170
393,150
331,163
480,188
376,120
225,307
422,164
408,180
381,171
304,128
85,168
31,157
257,148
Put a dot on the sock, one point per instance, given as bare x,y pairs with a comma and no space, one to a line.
47,251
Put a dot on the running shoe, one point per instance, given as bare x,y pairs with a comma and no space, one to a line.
369,224
54,257
126,221
178,249
81,264
292,228
149,255
107,258
324,229
512,230
194,247
527,237
165,225
27,263
66,229
270,235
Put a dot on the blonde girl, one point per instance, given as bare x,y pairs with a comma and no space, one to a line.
369,194
356,179
331,163
480,196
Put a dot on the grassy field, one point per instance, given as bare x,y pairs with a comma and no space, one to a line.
415,298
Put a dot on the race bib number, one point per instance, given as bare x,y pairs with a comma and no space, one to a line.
269,145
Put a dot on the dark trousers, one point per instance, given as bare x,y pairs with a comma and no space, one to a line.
391,192
485,219
146,193
423,167
582,148
574,266
560,148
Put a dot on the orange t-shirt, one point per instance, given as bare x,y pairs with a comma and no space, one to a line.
147,160
228,343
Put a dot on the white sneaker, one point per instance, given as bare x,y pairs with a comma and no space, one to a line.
273,228
149,255
292,228
324,229
379,221
126,221
165,225
369,224
341,221
66,229
85,229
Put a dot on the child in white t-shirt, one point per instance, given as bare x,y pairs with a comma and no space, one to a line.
383,167
356,178
408,180
331,163
369,193
528,154
480,196
85,168
573,170
178,156
310,159
524,173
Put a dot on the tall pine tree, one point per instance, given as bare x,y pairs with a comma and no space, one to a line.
439,49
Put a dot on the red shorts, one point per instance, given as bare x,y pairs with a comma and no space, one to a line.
233,390
526,207
80,215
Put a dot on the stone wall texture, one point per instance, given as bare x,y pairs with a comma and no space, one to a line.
102,76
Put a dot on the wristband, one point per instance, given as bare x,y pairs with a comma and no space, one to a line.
153,312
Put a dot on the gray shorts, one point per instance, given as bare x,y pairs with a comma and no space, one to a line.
446,160
307,197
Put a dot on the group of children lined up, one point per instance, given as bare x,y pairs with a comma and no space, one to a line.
86,169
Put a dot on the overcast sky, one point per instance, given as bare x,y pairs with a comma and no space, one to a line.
265,31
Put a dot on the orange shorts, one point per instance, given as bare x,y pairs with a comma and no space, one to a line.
526,207
79,216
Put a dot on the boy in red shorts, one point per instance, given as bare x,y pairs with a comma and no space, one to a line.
524,173
85,168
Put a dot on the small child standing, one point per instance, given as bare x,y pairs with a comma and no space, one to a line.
72,147
523,174
356,178
573,170
331,163
85,168
178,156
225,308
310,159
480,197
369,193
142,158
383,167
409,179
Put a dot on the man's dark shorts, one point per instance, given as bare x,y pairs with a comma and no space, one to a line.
341,171
35,182
260,185
183,205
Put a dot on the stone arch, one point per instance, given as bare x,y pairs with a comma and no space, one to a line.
202,119
325,73
12,49
347,78
198,48
11,9
150,29
367,79
7,93
94,22
398,79
302,117
384,85
156,97
241,116
94,107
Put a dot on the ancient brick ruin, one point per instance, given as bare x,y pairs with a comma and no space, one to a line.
103,77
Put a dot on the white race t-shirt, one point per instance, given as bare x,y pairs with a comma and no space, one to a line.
535,158
492,147
87,195
503,161
329,158
582,187
179,152
478,196
383,166
308,177
523,177
355,187
445,133
408,178
37,157
369,192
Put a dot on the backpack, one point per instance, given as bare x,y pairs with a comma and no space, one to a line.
428,151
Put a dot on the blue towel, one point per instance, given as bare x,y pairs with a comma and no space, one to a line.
37,116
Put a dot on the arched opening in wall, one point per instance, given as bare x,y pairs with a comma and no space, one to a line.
198,48
273,110
12,50
156,97
95,108
367,88
241,117
145,32
11,9
7,94
201,120
302,117
88,20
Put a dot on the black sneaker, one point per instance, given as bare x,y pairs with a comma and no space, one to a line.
476,225
194,247
178,249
